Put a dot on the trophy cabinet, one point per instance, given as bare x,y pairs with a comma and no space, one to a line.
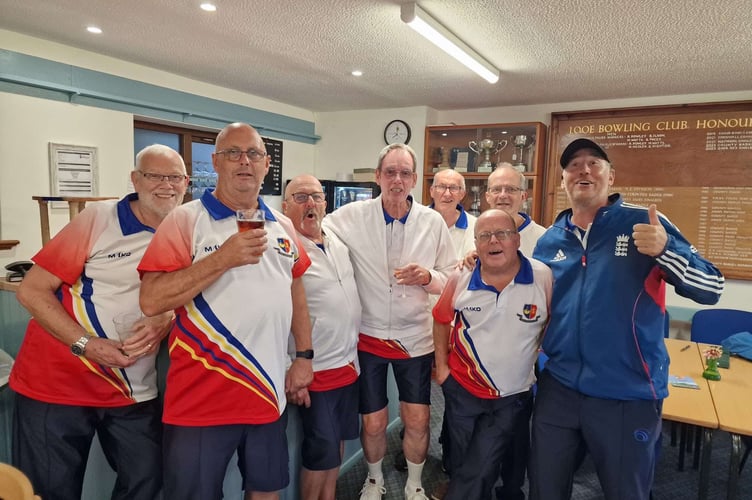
475,150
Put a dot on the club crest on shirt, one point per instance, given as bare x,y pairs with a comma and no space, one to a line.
622,244
284,247
529,313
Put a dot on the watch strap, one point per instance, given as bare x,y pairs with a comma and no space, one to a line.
307,354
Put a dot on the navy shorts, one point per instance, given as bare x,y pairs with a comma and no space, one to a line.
196,458
51,446
413,376
332,418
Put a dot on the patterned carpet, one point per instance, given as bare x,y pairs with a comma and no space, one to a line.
670,484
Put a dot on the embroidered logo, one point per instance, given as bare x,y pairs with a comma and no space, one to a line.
559,256
284,247
529,313
622,244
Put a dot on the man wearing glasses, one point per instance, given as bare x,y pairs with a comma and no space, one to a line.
507,190
447,193
329,408
237,296
401,251
487,328
73,377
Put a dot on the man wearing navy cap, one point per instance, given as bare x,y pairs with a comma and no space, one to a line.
604,382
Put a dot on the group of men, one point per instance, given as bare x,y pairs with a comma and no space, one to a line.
313,309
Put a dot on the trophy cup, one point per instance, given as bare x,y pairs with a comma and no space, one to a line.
475,205
487,147
521,143
444,156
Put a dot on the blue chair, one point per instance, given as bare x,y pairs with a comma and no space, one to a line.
713,326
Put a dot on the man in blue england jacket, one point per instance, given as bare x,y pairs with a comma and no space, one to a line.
606,376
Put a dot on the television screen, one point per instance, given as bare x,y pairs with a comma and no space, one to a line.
346,194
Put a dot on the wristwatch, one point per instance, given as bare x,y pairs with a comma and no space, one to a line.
307,354
79,346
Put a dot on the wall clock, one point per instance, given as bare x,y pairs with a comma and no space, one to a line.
397,131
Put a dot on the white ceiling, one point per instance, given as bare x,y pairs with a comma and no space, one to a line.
301,52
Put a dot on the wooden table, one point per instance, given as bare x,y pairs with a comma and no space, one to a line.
731,397
691,406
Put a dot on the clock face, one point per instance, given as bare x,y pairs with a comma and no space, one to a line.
397,131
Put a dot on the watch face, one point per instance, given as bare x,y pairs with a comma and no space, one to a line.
397,131
77,349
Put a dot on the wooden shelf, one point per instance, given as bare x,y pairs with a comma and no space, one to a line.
8,244
452,144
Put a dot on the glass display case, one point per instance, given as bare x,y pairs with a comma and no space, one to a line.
476,150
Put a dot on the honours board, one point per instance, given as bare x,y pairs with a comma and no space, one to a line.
693,161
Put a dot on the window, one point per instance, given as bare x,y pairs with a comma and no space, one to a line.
195,146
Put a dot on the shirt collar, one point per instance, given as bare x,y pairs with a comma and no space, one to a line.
389,219
219,210
129,223
524,275
526,220
461,220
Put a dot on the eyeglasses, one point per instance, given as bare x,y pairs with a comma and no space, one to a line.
236,154
501,189
501,235
391,173
172,179
451,187
301,198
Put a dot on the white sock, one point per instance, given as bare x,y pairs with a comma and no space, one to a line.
414,474
374,471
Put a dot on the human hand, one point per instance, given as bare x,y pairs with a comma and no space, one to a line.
650,239
412,274
243,248
299,375
149,332
442,373
468,261
107,352
301,397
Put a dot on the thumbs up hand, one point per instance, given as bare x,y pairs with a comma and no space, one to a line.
650,239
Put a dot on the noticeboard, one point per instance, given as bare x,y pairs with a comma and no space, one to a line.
693,161
273,180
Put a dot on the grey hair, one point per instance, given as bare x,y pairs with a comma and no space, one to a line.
462,177
156,150
392,147
507,165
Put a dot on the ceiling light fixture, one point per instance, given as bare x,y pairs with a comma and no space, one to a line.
208,7
356,72
420,21
94,29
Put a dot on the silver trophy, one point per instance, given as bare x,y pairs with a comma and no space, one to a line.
522,143
487,147
475,205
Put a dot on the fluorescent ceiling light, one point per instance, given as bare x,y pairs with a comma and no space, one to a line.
208,7
420,21
94,29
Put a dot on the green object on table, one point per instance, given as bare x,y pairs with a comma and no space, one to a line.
724,361
711,371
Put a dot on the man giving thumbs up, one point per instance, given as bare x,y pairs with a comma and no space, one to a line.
603,386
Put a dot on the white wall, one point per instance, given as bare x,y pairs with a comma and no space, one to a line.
28,124
353,139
